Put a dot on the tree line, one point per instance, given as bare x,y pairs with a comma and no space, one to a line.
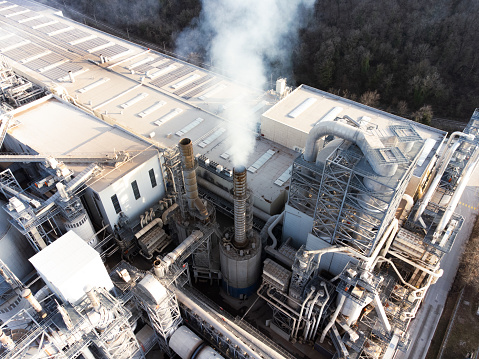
413,58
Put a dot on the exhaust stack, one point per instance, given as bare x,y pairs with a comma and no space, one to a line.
189,174
240,199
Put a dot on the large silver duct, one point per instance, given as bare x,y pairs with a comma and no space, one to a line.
189,174
368,143
240,199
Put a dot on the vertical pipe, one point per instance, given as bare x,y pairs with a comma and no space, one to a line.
6,341
333,317
189,174
27,294
95,302
240,197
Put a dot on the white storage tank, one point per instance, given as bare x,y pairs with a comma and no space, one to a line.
241,268
83,227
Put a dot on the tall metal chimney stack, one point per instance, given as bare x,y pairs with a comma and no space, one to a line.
189,174
240,199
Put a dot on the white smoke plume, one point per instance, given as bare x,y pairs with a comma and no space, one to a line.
241,37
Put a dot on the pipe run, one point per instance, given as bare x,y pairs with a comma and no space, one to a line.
231,331
444,161
189,175
457,195
161,267
27,294
387,238
366,142
315,331
333,317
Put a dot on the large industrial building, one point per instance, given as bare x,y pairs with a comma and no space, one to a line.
128,223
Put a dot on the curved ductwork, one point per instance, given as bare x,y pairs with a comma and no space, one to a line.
366,142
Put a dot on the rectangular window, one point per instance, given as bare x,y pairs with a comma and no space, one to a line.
152,178
116,204
136,191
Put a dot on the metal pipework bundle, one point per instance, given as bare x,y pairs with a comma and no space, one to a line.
189,174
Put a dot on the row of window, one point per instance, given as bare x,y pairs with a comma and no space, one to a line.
136,191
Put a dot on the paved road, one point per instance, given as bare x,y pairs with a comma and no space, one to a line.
423,327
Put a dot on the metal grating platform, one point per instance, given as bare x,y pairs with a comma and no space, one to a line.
389,155
405,133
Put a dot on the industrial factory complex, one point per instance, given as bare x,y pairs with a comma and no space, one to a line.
129,229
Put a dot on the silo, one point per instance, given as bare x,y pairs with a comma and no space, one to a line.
15,250
240,253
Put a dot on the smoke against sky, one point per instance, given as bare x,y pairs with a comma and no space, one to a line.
241,38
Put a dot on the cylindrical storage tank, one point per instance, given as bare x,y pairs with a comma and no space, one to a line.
240,268
15,249
188,345
13,305
83,227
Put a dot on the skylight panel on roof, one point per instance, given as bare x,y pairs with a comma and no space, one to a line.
8,7
152,109
134,100
189,127
93,85
30,19
83,39
59,31
212,137
17,13
185,81
13,43
141,62
44,24
259,106
225,155
213,92
261,161
284,177
155,74
168,116
101,47
302,107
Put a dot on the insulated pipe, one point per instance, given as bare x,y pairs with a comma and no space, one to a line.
437,274
387,237
164,216
333,317
156,221
444,160
226,196
301,312
381,313
407,208
313,324
312,303
209,315
321,311
271,227
240,197
189,174
366,142
457,195
171,257
27,294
